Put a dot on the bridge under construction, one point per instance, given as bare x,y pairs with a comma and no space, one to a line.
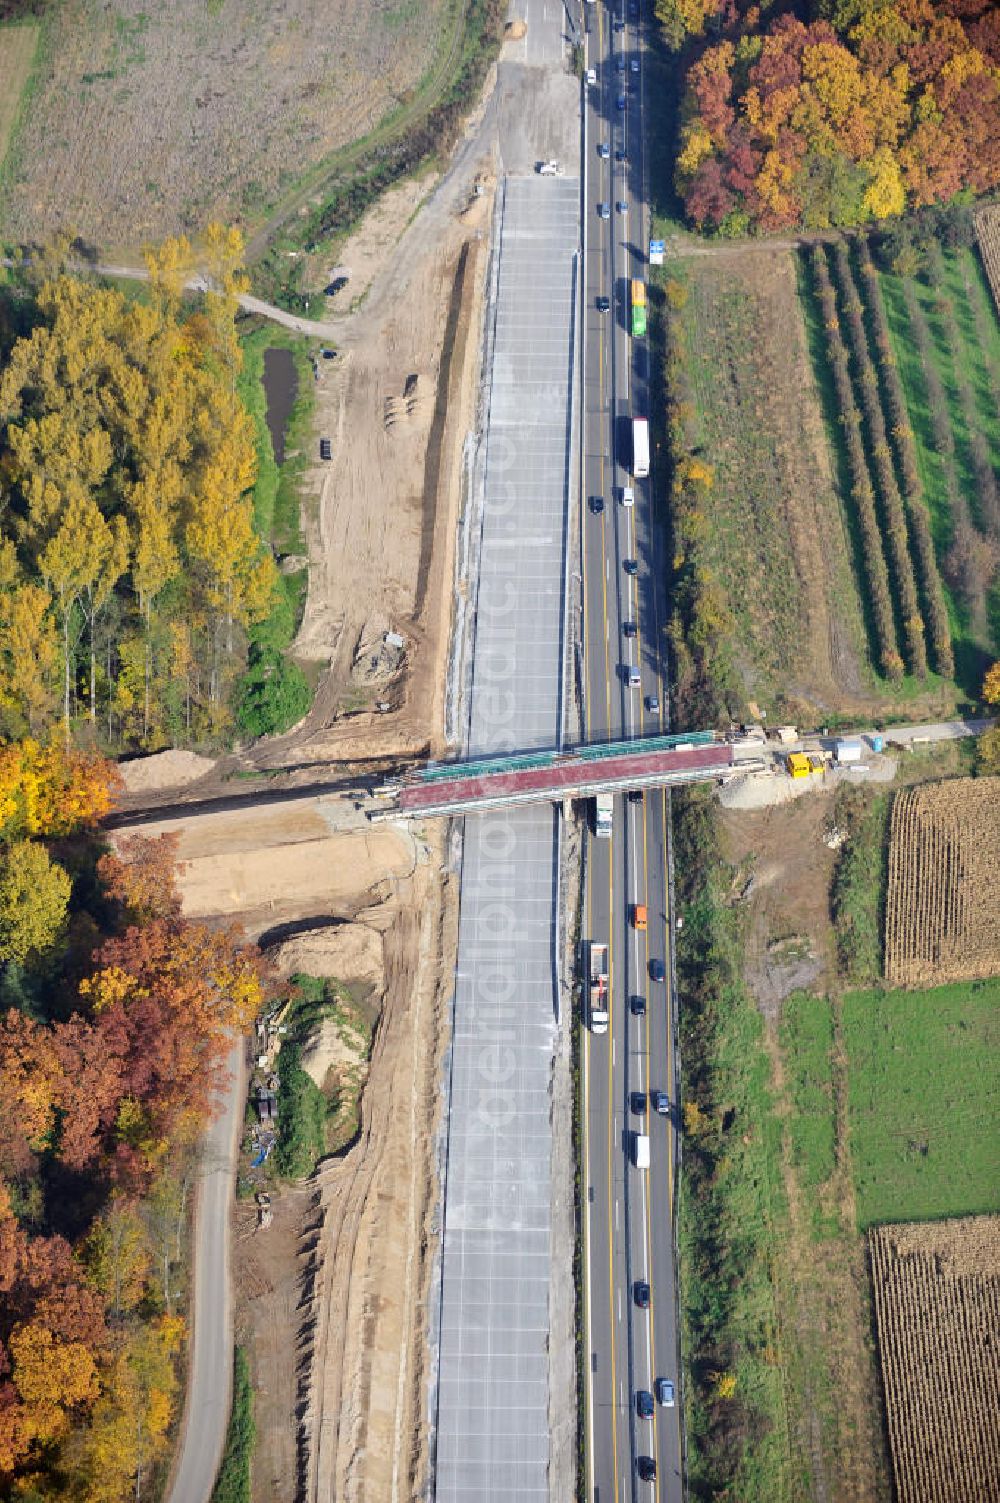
443,788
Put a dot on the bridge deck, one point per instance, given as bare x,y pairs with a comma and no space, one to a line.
565,779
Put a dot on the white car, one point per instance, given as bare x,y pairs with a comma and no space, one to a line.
591,75
628,496
665,1392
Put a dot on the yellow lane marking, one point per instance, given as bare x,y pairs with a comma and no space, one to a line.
649,1182
668,920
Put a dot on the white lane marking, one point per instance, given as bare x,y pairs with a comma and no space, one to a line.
619,1307
617,1203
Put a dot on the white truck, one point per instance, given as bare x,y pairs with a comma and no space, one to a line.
549,169
640,1150
640,447
604,808
597,1003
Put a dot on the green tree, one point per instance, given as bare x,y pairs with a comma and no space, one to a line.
34,894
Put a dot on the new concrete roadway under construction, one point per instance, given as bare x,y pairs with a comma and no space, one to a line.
492,1433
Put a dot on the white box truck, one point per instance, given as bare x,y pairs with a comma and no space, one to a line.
640,1150
640,447
604,808
597,999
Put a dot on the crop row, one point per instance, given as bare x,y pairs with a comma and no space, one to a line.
943,887
968,568
894,529
935,607
987,495
937,1302
988,235
862,492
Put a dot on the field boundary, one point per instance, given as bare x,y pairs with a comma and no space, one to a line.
13,110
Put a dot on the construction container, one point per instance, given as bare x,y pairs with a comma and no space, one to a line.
848,751
798,765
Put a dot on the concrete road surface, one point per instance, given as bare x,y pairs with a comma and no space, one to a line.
628,1211
206,1413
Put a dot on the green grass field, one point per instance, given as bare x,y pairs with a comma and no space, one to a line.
807,1044
923,1101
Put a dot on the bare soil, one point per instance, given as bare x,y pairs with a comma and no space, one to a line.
142,115
334,1293
284,865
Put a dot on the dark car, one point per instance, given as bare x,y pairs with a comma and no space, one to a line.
603,304
620,101
618,24
661,1103
328,354
621,155
640,1290
637,1101
653,703
644,1404
637,1004
620,63
631,566
597,505
629,629
635,795
325,449
646,1468
657,970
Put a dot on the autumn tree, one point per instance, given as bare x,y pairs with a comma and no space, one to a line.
34,896
870,108
129,1426
52,790
29,654
991,685
130,462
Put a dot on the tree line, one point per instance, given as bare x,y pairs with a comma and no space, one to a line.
131,576
116,1016
858,112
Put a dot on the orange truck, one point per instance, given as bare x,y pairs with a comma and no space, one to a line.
638,915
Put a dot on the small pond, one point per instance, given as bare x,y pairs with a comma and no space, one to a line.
281,383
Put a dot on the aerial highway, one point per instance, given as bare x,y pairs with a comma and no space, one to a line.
629,1211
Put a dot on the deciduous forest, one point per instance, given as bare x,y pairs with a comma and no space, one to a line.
834,112
115,1020
132,582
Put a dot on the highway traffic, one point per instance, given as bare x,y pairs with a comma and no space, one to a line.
633,1391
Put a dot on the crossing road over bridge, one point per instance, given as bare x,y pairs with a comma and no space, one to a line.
649,762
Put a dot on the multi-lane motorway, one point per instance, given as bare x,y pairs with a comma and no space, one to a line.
629,1211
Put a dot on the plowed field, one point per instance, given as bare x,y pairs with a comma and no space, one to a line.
943,899
937,1310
